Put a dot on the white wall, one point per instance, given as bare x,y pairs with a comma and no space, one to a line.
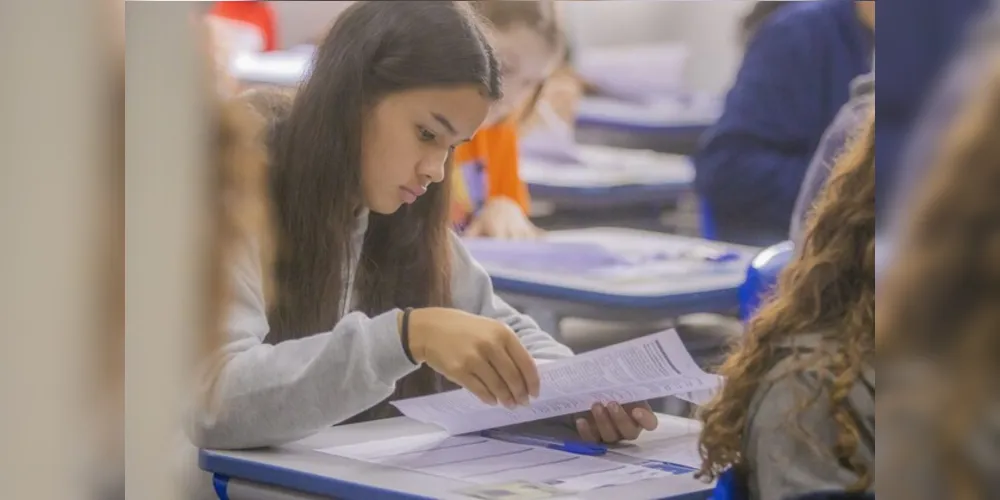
302,21
708,28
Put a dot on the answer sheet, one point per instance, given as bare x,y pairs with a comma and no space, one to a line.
480,460
679,450
650,367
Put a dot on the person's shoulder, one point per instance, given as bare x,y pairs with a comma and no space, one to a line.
804,19
799,372
793,33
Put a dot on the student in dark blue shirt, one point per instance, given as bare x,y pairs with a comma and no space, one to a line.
795,77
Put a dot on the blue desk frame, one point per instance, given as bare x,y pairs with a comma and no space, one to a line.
223,468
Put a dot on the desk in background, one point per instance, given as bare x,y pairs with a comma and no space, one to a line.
608,176
299,472
664,124
657,292
607,186
285,68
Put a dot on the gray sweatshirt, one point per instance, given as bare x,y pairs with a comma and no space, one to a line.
844,127
273,394
785,464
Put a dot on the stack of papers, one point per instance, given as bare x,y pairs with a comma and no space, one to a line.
647,368
480,460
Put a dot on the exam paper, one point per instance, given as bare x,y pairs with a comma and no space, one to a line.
480,460
679,450
650,367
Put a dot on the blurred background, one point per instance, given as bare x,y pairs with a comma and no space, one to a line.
107,116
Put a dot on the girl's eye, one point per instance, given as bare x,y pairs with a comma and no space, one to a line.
426,135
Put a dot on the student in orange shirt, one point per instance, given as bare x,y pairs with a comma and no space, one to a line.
249,26
490,199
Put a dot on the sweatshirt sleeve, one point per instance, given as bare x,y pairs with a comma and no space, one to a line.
472,292
267,395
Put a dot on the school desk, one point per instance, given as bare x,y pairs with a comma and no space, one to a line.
298,471
581,282
606,176
668,125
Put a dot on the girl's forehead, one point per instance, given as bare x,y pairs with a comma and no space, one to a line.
456,111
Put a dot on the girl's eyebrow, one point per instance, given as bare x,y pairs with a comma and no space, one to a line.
445,123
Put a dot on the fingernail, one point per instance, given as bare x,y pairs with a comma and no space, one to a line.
581,424
638,413
614,407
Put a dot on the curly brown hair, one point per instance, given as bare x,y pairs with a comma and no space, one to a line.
940,310
829,287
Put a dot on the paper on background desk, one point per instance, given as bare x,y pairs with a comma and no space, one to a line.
650,367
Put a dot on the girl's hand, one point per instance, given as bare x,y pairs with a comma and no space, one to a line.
503,219
480,354
614,422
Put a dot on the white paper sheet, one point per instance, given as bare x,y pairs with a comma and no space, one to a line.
480,460
650,367
680,450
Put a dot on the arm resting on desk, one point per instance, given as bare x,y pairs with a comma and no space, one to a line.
268,395
472,292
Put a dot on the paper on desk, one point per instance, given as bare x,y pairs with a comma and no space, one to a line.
650,367
480,460
554,140
680,450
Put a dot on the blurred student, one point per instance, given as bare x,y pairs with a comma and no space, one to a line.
490,198
245,26
937,338
845,126
796,413
923,37
795,77
376,299
239,213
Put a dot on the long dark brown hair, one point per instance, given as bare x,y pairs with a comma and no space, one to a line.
938,334
829,287
373,50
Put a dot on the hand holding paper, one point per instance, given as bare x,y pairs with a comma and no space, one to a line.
615,422
481,354
646,368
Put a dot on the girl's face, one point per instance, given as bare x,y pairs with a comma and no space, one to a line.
407,139
526,61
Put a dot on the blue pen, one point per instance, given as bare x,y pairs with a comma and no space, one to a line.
575,447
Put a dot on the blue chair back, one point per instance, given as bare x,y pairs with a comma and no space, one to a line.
762,276
730,486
